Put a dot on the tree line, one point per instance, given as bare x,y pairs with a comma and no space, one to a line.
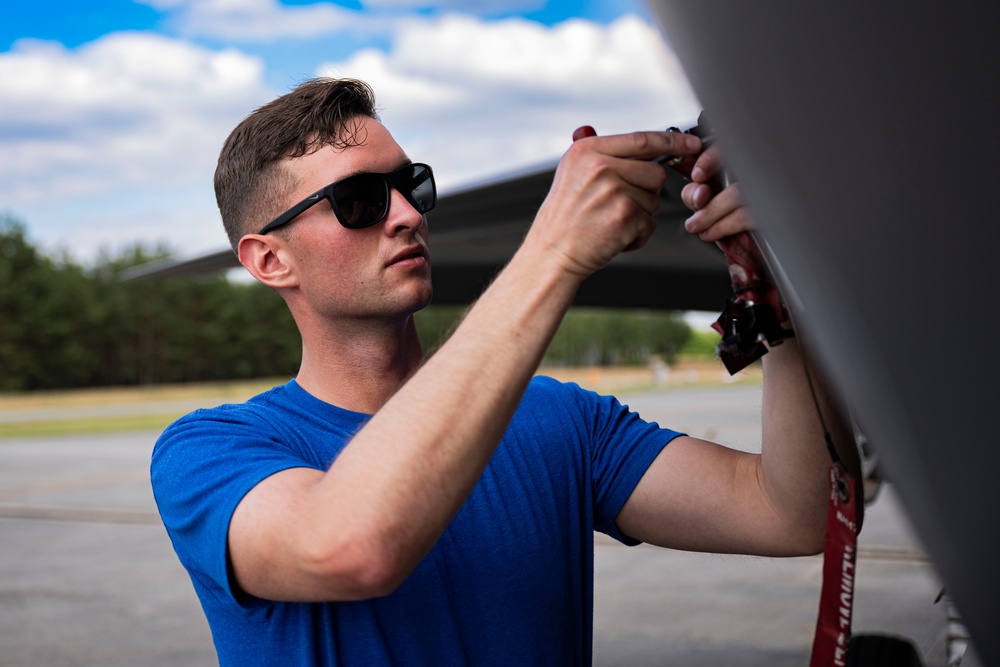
64,325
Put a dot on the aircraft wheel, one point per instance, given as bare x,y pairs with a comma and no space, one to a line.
881,651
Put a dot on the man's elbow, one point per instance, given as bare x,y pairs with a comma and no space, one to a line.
357,571
814,535
813,543
804,535
810,538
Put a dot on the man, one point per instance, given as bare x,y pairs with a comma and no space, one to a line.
386,509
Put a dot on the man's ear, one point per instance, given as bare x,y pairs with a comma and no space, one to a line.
267,259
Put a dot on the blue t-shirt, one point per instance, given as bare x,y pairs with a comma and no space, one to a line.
510,582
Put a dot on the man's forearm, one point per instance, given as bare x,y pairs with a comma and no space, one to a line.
359,529
441,428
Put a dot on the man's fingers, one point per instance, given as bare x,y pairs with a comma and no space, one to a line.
724,214
645,233
716,215
594,169
734,223
640,145
707,165
696,196
648,199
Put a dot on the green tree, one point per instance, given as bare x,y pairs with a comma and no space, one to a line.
62,325
701,344
436,323
23,278
599,336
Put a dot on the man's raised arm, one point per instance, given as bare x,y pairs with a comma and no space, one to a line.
701,496
359,529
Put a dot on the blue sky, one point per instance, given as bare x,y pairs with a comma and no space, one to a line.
112,112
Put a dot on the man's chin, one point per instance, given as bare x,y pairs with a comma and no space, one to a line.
427,300
420,296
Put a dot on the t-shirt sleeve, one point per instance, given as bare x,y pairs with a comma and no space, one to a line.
623,446
202,466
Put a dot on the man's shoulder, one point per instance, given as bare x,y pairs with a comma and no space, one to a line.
546,384
256,409
554,401
544,388
284,418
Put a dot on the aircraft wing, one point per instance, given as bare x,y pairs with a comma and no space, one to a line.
475,229
866,136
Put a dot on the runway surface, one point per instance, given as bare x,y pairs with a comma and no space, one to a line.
88,577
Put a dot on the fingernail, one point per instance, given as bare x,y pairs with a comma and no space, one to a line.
689,224
692,142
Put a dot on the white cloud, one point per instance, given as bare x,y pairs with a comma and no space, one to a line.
125,108
129,112
115,141
472,6
477,97
243,21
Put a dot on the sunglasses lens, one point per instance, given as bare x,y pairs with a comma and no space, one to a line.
362,200
420,184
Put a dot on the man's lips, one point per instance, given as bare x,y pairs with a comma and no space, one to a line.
411,255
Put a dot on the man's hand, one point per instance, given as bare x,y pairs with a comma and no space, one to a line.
717,215
704,497
603,198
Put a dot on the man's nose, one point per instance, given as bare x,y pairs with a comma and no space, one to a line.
402,216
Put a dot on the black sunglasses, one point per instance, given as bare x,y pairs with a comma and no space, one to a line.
362,200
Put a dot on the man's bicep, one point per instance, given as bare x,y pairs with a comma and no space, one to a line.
701,496
263,542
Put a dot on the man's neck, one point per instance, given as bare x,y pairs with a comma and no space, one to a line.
359,371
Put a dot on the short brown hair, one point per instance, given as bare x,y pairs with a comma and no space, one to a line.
249,183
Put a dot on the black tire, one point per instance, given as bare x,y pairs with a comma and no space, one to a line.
881,651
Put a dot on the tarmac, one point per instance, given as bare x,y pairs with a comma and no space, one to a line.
88,576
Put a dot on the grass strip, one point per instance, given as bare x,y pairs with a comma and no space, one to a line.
235,390
88,425
608,380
